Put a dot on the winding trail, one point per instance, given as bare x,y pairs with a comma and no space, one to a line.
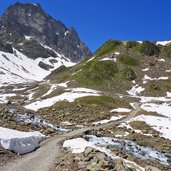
43,158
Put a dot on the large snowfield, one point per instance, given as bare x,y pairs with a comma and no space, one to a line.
18,68
20,142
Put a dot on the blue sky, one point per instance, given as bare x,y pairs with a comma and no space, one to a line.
99,20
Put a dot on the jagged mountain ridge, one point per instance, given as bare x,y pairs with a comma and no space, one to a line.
32,44
24,24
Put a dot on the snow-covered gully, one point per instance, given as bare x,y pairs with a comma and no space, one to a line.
44,157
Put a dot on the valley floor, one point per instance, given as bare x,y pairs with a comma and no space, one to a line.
44,158
135,132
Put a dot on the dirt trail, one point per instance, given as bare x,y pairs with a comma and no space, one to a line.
44,157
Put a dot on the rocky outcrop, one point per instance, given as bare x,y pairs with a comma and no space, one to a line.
90,159
6,47
24,24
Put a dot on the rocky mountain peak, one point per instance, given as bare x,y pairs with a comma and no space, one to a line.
22,23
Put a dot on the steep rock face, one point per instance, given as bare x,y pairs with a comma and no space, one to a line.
24,24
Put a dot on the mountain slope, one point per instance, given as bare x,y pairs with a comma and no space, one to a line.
22,23
17,68
32,44
121,76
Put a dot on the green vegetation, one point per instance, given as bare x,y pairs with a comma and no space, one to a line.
128,60
103,101
56,92
62,68
107,48
149,49
157,88
166,51
41,91
61,74
97,73
131,44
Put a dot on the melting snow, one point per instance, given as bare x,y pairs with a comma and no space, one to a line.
163,109
135,90
121,110
163,42
66,32
78,145
168,70
20,142
28,37
145,99
52,88
160,124
168,94
141,152
63,84
146,78
106,59
3,97
68,96
18,68
145,69
113,118
117,53
90,59
161,60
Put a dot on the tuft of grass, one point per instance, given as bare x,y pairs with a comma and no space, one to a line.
107,48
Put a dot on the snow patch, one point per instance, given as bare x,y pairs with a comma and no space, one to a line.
145,69
68,96
161,60
160,124
146,78
63,84
18,68
90,59
113,118
135,90
168,70
121,110
163,109
66,32
106,59
168,94
163,43
4,97
117,53
27,37
20,142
